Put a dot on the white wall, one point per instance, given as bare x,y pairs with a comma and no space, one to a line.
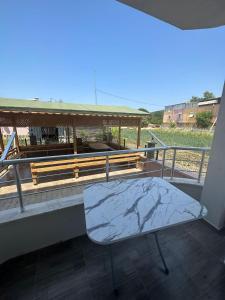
34,231
213,194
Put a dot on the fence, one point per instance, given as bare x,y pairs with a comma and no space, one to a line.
167,165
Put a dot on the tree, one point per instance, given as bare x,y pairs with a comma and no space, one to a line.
208,95
195,99
203,119
156,117
172,124
143,109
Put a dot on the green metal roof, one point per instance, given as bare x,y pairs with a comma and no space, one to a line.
38,105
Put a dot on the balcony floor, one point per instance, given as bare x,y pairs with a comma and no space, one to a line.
79,269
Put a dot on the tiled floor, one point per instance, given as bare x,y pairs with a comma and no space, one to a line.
79,269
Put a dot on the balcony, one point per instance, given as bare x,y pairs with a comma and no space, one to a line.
47,254
79,269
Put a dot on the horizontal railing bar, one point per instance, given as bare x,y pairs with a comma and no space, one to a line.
81,155
151,171
7,181
96,154
8,197
186,160
67,173
193,171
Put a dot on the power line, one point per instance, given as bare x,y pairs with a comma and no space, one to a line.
128,99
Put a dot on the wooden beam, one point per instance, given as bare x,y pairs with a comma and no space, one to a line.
74,140
44,120
139,134
16,140
2,146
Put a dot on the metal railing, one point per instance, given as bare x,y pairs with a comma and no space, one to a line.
8,147
155,138
165,165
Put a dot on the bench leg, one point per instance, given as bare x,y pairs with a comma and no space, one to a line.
137,164
76,173
34,178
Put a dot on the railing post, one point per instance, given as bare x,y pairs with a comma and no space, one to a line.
157,155
173,163
19,188
201,166
163,163
107,168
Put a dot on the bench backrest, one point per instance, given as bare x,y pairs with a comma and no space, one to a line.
77,161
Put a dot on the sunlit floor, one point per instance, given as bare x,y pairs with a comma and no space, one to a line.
79,269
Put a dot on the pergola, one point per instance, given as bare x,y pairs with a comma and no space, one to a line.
34,113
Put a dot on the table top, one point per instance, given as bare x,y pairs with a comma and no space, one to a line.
122,209
98,146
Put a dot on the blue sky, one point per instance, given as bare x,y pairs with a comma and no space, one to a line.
50,49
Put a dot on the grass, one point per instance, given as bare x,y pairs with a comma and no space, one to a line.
185,160
171,137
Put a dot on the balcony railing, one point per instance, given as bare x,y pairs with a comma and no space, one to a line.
168,164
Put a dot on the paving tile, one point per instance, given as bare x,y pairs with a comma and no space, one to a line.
79,269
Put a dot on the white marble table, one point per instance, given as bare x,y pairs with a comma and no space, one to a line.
121,209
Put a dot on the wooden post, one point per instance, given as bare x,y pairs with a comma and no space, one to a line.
139,134
16,140
67,135
1,141
119,137
74,140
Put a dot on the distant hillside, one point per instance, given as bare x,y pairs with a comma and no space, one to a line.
155,117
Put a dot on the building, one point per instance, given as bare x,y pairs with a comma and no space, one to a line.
184,114
53,123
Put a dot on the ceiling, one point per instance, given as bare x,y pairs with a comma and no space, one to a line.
185,14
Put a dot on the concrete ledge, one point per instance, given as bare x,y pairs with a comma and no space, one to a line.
41,225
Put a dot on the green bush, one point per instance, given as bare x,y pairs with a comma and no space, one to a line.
172,124
204,119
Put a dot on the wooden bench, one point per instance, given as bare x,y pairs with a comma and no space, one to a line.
74,165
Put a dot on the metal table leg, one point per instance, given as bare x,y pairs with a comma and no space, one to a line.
161,254
115,289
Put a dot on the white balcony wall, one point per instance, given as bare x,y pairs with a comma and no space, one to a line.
213,194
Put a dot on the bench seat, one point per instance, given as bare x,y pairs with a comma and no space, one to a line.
77,163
